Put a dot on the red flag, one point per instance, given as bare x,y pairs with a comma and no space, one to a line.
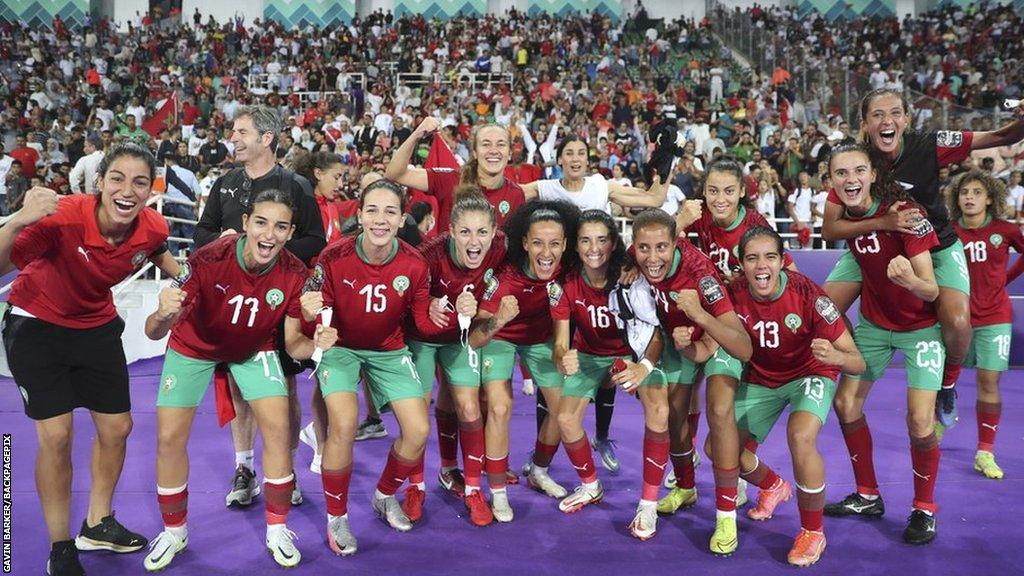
165,117
783,111
441,155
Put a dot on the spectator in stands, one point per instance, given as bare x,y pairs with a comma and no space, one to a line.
83,175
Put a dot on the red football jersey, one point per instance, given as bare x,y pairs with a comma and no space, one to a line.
371,301
230,313
68,269
883,302
442,184
536,300
988,251
448,278
691,269
722,245
596,332
782,328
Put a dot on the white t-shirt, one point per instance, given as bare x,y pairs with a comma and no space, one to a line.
766,206
819,200
1014,197
673,199
801,199
593,196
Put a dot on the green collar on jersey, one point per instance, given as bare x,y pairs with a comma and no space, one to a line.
988,220
677,257
586,279
875,203
783,281
740,215
240,254
362,254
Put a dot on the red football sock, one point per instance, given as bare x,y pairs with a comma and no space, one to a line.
395,472
447,437
726,481
416,476
543,453
988,422
761,476
812,507
655,459
496,468
751,445
277,498
173,506
858,443
950,374
682,465
693,420
336,489
582,459
471,436
924,456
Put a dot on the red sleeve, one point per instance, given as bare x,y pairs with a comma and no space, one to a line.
322,275
493,292
421,306
953,147
713,295
828,320
294,304
35,241
915,244
560,303
1016,239
833,197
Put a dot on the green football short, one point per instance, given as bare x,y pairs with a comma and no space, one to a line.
723,364
923,353
594,371
454,359
184,380
949,264
990,348
391,375
498,359
678,368
758,407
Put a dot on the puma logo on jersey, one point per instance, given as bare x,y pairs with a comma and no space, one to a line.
528,289
335,496
656,465
223,289
350,283
442,282
581,303
84,253
744,318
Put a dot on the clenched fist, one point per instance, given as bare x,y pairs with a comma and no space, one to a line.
325,337
507,310
312,303
689,303
825,352
682,336
169,304
569,363
901,272
428,126
39,203
465,304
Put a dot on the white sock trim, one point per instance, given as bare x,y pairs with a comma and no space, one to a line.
806,490
279,481
170,491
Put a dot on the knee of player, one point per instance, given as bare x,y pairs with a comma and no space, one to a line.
720,412
921,421
656,415
957,322
341,429
848,407
568,421
500,409
802,440
416,430
55,440
114,430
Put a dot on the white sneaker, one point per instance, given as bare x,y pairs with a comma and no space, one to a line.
308,436
296,494
580,497
741,493
645,523
541,482
163,548
390,511
500,506
282,548
670,480
315,464
340,538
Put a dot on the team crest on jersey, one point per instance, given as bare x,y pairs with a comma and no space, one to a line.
400,284
169,382
736,251
793,322
923,228
315,281
996,239
275,298
711,290
184,273
673,295
504,207
554,293
139,258
488,275
827,309
949,139
490,286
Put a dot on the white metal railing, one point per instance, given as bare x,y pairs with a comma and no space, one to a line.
264,83
625,226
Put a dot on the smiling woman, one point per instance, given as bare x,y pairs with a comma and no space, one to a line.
63,338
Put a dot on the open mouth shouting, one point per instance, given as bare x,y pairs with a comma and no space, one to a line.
545,267
887,138
265,250
474,257
762,282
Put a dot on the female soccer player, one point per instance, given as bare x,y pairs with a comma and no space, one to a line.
63,338
593,192
897,313
324,171
372,282
225,308
515,317
976,205
695,310
596,346
800,345
461,261
914,159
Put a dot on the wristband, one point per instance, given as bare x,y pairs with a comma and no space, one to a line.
647,364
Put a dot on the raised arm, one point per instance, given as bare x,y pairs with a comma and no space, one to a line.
399,169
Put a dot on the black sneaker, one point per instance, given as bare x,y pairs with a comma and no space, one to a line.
920,528
856,505
64,560
945,407
109,534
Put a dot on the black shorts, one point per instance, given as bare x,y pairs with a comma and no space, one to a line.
58,369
